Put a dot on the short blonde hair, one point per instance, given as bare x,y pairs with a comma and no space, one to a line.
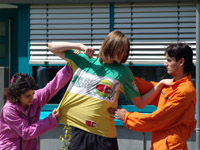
115,43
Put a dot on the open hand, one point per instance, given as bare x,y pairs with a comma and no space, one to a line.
166,81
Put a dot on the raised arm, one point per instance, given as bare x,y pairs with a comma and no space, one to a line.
146,98
63,76
59,48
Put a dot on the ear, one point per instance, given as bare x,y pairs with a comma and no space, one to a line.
182,61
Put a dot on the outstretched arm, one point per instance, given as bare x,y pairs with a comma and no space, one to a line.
145,99
63,76
59,48
141,101
23,127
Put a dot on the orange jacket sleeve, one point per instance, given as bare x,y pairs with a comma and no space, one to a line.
178,110
144,86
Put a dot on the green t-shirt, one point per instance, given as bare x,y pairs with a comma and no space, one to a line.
94,88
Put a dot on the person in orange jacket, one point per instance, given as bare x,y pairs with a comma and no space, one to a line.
174,120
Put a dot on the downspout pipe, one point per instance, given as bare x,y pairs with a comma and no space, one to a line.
198,74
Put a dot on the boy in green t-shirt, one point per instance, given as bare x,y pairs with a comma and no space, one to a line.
95,87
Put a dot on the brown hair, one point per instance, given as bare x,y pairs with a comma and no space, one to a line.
115,44
20,84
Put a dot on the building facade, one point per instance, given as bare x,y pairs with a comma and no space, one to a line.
27,27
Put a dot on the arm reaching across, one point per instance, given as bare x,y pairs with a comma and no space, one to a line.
59,48
145,99
141,101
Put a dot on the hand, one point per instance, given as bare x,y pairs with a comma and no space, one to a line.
56,113
88,51
111,111
76,51
166,81
120,113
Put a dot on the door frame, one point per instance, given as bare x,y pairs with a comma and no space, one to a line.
5,40
11,17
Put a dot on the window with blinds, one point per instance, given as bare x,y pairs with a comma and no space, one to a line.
85,23
152,26
149,26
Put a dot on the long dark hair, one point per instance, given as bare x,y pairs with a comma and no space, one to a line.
20,84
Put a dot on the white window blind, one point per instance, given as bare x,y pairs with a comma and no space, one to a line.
85,23
152,26
149,26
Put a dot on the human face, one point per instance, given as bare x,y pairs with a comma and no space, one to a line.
26,98
172,65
